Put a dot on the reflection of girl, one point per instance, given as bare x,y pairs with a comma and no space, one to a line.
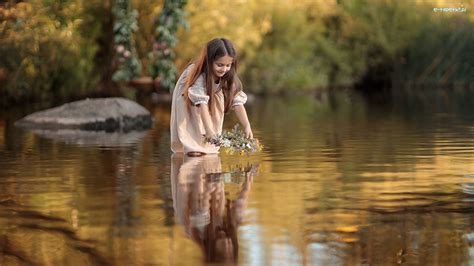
205,91
200,205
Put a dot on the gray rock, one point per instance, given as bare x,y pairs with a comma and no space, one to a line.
103,114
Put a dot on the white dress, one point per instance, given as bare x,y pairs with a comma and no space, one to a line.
186,125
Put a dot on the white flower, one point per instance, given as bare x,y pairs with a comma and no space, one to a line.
235,141
120,49
226,143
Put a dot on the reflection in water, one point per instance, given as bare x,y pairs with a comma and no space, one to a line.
468,188
92,138
126,192
29,237
340,182
209,218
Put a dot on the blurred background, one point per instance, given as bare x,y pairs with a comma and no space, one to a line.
54,51
364,108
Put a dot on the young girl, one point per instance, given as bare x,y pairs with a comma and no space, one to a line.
206,90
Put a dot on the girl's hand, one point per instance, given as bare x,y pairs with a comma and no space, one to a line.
248,132
244,120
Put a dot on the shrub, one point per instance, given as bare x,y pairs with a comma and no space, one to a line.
44,52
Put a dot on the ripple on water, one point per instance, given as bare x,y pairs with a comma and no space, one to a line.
338,184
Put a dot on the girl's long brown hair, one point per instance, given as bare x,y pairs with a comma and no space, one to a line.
229,83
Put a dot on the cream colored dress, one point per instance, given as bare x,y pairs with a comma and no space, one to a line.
190,186
186,125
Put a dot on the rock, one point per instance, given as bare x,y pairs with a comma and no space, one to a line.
102,114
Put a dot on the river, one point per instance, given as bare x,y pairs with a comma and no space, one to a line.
342,180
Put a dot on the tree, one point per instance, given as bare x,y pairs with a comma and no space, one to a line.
162,63
126,60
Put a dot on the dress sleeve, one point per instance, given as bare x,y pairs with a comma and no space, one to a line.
197,93
239,99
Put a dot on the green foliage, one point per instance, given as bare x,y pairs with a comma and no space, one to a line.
125,23
58,49
162,57
309,47
285,62
379,33
441,54
288,47
45,54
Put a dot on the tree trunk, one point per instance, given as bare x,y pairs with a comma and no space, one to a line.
105,55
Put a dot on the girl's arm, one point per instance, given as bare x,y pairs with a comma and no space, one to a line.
244,120
206,120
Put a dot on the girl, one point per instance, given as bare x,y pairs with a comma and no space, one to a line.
206,90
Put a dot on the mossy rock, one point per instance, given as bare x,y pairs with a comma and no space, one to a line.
101,114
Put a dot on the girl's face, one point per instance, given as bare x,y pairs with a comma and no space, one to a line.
222,65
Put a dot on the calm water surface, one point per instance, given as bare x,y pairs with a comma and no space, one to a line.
341,182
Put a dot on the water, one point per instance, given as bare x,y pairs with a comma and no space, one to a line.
341,181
